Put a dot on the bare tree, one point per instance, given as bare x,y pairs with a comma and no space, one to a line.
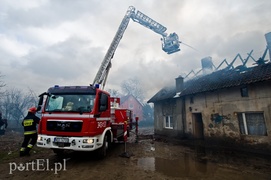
2,84
114,93
133,87
14,105
33,96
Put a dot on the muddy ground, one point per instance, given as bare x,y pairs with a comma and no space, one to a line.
149,158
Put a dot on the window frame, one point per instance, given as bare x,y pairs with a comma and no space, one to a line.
244,92
245,120
169,124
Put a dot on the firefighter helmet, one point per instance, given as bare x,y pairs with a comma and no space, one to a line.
32,110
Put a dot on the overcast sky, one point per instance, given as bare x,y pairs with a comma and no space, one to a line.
48,42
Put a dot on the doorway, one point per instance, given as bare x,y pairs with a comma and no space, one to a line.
198,126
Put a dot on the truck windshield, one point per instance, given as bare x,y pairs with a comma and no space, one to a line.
70,102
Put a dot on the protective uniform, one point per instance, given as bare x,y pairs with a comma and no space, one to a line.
30,131
3,125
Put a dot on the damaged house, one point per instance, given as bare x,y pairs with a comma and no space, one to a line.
233,104
228,105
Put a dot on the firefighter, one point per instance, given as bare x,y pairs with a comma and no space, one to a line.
3,124
30,131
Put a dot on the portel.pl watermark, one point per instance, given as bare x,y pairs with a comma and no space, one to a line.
38,165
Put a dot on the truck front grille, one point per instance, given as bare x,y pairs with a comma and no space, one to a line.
64,126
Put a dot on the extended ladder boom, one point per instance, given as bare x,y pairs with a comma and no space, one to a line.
105,65
146,21
170,44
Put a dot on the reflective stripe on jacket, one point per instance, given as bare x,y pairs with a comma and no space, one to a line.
30,132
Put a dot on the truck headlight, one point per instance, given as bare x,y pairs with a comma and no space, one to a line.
89,141
39,138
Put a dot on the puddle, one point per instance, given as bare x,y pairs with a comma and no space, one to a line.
187,167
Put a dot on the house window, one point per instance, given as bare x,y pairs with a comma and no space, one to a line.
252,124
191,100
131,106
244,92
168,122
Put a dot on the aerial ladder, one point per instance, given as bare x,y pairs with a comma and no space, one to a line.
170,43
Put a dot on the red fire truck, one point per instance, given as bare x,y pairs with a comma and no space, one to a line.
86,118
82,118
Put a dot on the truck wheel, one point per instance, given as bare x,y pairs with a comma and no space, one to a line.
102,150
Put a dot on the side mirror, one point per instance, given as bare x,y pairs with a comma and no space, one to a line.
103,102
40,101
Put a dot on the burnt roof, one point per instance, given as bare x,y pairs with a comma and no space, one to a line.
224,78
164,93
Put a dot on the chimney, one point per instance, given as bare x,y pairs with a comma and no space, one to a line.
207,65
179,84
268,41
